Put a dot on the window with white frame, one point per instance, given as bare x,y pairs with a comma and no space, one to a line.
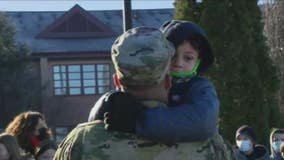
81,79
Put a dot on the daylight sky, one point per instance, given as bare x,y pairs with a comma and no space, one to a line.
63,5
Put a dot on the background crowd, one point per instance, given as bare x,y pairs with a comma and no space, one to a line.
27,137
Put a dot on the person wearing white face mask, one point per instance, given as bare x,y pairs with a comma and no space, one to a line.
276,139
246,148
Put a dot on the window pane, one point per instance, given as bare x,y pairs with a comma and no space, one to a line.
56,76
102,67
62,68
103,82
89,90
75,83
103,74
89,75
103,89
59,84
74,68
88,67
75,91
55,69
89,82
60,91
63,76
59,76
74,76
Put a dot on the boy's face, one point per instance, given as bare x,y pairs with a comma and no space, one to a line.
185,58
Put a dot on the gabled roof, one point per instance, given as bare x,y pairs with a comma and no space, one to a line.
31,24
76,23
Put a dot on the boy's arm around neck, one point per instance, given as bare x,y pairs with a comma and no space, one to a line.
192,121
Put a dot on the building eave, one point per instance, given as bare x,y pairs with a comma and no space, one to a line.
71,55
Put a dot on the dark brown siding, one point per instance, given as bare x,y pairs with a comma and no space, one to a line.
68,110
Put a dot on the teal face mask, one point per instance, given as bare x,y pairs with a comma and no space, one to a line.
189,74
244,145
276,146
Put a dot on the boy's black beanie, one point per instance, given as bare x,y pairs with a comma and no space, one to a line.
177,31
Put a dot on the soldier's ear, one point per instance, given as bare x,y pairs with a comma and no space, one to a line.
168,82
116,81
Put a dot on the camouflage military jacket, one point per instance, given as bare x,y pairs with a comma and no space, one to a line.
90,141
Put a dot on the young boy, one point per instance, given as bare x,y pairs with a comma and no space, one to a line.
194,105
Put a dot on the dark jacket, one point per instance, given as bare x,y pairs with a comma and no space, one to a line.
192,117
259,153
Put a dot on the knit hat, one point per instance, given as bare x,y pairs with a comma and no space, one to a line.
247,131
178,31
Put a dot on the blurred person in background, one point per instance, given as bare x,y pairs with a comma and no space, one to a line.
247,149
282,150
10,149
276,140
30,129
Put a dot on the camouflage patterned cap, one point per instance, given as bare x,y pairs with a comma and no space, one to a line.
141,56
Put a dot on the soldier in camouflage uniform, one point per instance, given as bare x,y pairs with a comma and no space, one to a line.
141,58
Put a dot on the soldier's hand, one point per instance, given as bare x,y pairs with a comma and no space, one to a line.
124,112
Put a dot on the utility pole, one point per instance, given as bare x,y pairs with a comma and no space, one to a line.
127,19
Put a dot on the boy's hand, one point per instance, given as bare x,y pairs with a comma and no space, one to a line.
123,113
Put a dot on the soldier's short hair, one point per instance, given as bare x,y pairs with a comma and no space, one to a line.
141,56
